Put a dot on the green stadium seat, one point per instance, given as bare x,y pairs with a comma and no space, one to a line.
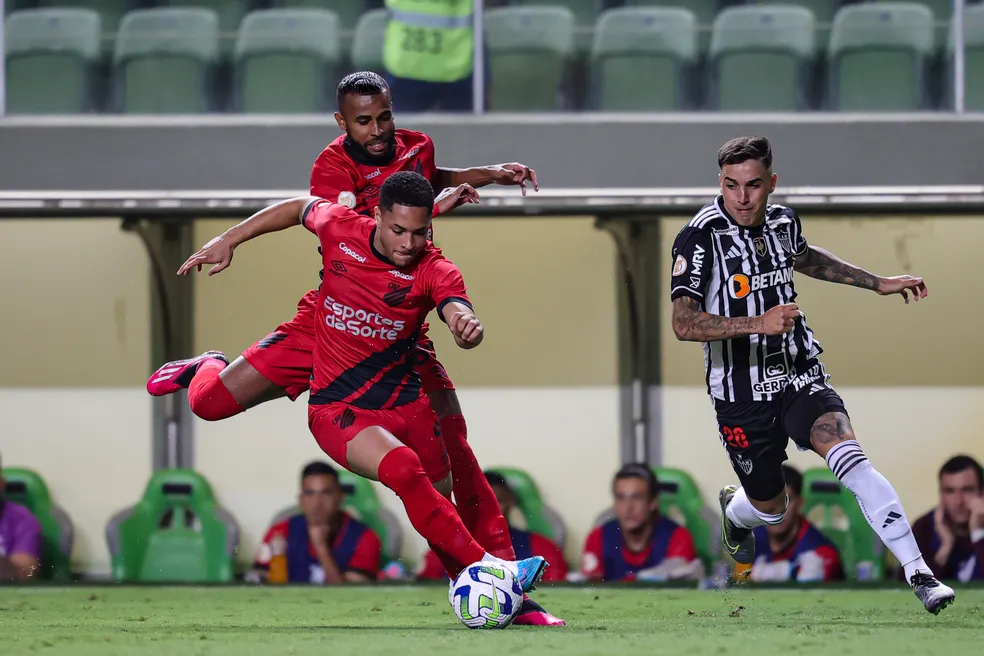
529,49
27,488
585,13
164,61
680,500
540,518
175,533
879,54
110,12
367,44
942,12
778,42
704,10
348,11
823,11
641,59
51,56
834,510
362,502
973,60
230,14
284,60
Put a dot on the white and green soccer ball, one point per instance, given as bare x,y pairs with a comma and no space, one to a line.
485,596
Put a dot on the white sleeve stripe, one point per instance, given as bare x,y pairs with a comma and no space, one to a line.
687,289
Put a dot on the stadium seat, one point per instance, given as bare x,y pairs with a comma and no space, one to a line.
641,59
823,11
704,10
27,488
362,502
175,533
585,13
973,60
540,518
51,56
529,51
834,510
776,42
942,12
348,11
229,12
110,12
164,61
367,44
879,53
284,61
680,500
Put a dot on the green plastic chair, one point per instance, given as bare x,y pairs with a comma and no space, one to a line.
879,56
51,56
973,60
110,12
284,59
164,61
367,44
540,518
26,487
176,533
529,50
229,12
585,13
362,502
777,41
642,57
704,10
834,510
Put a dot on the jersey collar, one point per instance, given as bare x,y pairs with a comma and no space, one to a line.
372,247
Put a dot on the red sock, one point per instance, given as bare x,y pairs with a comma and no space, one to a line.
208,396
476,502
431,514
451,566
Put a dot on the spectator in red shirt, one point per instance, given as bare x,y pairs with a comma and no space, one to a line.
322,544
640,544
526,543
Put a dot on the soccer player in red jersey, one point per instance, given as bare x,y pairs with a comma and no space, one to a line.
367,409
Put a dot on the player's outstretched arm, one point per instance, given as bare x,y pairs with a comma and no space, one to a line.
276,217
463,324
510,174
821,264
691,324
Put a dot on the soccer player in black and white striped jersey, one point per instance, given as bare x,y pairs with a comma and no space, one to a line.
732,290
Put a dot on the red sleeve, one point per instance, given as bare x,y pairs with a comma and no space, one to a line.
445,284
330,177
681,545
546,548
432,570
265,551
319,214
831,562
592,564
368,553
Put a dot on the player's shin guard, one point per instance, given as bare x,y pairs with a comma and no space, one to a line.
208,396
476,502
431,514
879,503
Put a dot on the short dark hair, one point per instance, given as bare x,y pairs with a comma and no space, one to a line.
406,188
360,83
742,149
318,468
641,471
794,479
495,478
960,463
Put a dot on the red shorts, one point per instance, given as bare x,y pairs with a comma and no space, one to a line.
414,424
285,357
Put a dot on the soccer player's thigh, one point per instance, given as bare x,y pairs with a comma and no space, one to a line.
756,446
278,365
435,380
423,435
815,417
355,438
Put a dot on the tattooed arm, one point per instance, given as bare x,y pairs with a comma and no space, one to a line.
691,324
823,265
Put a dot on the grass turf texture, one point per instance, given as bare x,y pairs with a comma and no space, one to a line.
407,620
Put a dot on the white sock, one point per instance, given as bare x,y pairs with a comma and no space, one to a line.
743,514
879,503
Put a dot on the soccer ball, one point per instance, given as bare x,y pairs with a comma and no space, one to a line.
485,596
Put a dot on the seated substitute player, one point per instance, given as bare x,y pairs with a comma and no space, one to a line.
732,289
953,532
350,171
639,544
526,543
20,540
322,544
367,409
794,549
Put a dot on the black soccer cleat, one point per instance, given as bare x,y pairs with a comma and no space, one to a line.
739,542
934,595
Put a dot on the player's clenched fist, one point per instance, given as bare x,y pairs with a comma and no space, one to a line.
780,319
467,329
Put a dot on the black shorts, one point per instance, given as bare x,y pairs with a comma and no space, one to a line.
756,433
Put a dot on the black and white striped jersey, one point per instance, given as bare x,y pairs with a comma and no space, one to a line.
734,271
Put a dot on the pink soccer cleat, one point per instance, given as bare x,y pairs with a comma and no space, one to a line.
177,375
532,614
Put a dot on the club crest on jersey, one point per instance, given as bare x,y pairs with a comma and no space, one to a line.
347,198
760,247
784,240
396,294
679,266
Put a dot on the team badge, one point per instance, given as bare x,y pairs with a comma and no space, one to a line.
760,247
347,198
784,241
679,266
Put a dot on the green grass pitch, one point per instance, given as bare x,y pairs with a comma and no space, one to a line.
409,620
